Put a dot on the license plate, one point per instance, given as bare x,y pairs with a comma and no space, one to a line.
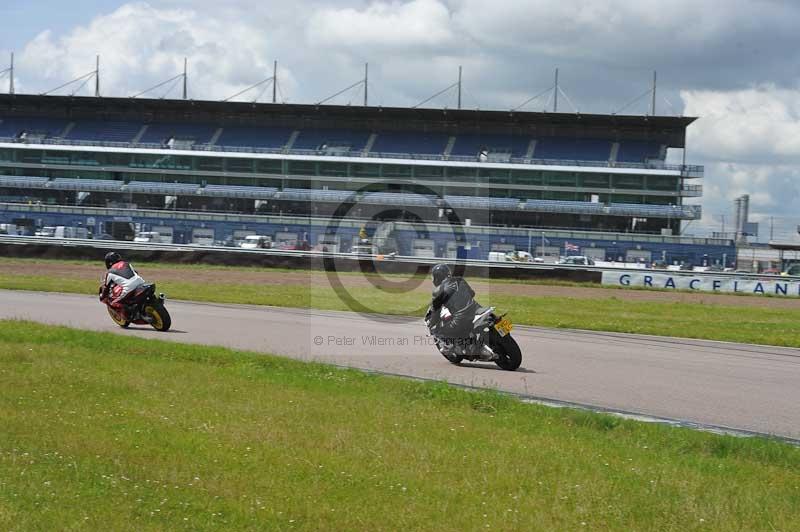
504,326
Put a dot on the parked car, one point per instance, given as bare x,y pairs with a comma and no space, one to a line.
577,260
793,269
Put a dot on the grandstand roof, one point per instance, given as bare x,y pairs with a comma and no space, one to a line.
663,129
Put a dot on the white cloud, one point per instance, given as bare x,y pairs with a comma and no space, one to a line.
141,45
396,25
761,124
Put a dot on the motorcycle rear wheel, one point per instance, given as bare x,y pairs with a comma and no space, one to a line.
118,318
508,353
161,320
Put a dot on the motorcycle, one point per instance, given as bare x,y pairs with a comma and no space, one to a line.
142,307
489,341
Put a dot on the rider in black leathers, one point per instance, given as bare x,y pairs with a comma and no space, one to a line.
455,294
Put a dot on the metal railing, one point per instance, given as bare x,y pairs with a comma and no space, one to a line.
357,223
685,170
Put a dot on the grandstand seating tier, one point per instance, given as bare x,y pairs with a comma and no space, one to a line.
412,143
254,137
315,139
159,133
103,131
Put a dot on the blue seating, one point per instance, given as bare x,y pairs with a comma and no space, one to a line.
158,133
151,187
104,131
481,202
637,151
470,145
411,143
86,185
303,194
48,127
564,206
315,139
399,198
254,137
684,212
239,191
13,181
572,149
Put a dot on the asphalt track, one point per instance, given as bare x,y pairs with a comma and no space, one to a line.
737,386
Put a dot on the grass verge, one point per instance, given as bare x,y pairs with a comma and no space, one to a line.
106,432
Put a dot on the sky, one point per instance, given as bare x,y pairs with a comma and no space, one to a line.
735,64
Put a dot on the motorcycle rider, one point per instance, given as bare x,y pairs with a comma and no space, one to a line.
119,282
455,294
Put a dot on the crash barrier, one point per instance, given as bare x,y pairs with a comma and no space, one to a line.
89,249
705,282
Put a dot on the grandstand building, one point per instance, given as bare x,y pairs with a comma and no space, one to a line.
509,180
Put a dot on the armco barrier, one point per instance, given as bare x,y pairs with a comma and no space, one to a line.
88,249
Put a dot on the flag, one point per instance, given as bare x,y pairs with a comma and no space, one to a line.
571,247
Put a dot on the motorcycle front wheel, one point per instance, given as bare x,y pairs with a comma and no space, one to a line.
118,318
452,358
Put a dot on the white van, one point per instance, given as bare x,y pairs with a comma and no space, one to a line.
148,236
256,242
498,256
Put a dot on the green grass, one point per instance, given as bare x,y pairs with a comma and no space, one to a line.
755,325
106,432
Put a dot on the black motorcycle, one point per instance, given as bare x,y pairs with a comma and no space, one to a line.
489,341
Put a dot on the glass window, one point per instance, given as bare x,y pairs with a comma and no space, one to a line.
460,173
628,181
238,165
365,170
210,164
594,180
30,156
396,170
269,166
527,177
554,195
333,169
429,171
560,179
657,182
302,168
495,175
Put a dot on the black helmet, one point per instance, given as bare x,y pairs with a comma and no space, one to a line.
439,273
112,257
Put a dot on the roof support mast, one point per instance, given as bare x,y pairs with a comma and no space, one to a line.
275,81
459,86
97,77
366,83
555,94
11,75
185,82
653,106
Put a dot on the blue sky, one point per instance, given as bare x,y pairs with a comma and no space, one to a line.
22,21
